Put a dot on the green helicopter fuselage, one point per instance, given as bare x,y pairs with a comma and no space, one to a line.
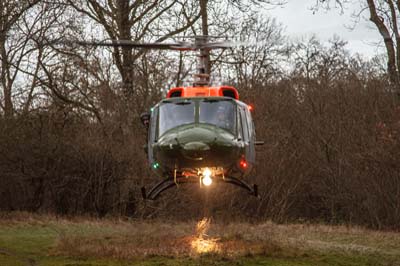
190,134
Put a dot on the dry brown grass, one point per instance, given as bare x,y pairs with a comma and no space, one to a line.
126,239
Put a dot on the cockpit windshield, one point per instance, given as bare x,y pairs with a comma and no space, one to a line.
221,113
218,112
173,114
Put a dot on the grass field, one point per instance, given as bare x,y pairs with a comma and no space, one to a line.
30,240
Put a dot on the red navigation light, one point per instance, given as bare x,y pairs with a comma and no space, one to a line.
243,163
250,107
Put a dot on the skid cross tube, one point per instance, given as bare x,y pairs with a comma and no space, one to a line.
172,181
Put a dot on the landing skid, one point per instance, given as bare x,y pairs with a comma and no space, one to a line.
171,182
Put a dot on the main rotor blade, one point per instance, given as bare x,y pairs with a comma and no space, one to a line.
221,45
232,44
182,46
249,43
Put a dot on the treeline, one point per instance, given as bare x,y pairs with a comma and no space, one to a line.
71,140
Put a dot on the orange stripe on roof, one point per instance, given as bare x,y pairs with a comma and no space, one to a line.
202,91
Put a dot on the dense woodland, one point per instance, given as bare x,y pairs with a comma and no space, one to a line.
71,141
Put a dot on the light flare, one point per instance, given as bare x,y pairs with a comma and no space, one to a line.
201,243
207,180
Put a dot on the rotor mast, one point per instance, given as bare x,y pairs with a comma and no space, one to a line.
202,77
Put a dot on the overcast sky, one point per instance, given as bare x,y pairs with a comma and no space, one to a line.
300,21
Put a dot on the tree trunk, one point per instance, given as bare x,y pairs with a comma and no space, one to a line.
8,105
124,30
204,26
389,44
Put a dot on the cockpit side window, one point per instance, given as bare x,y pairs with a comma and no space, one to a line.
153,125
245,126
239,125
250,124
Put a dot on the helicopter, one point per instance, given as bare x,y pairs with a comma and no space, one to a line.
202,133
198,134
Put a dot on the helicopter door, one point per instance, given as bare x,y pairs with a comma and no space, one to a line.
244,130
252,136
152,138
248,137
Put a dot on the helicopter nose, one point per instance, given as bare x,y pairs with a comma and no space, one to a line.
196,146
195,150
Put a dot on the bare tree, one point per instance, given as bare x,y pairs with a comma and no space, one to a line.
385,16
138,21
11,53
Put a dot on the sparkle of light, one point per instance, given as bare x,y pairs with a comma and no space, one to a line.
201,243
207,180
243,164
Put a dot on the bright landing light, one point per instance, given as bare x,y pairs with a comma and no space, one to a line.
206,177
